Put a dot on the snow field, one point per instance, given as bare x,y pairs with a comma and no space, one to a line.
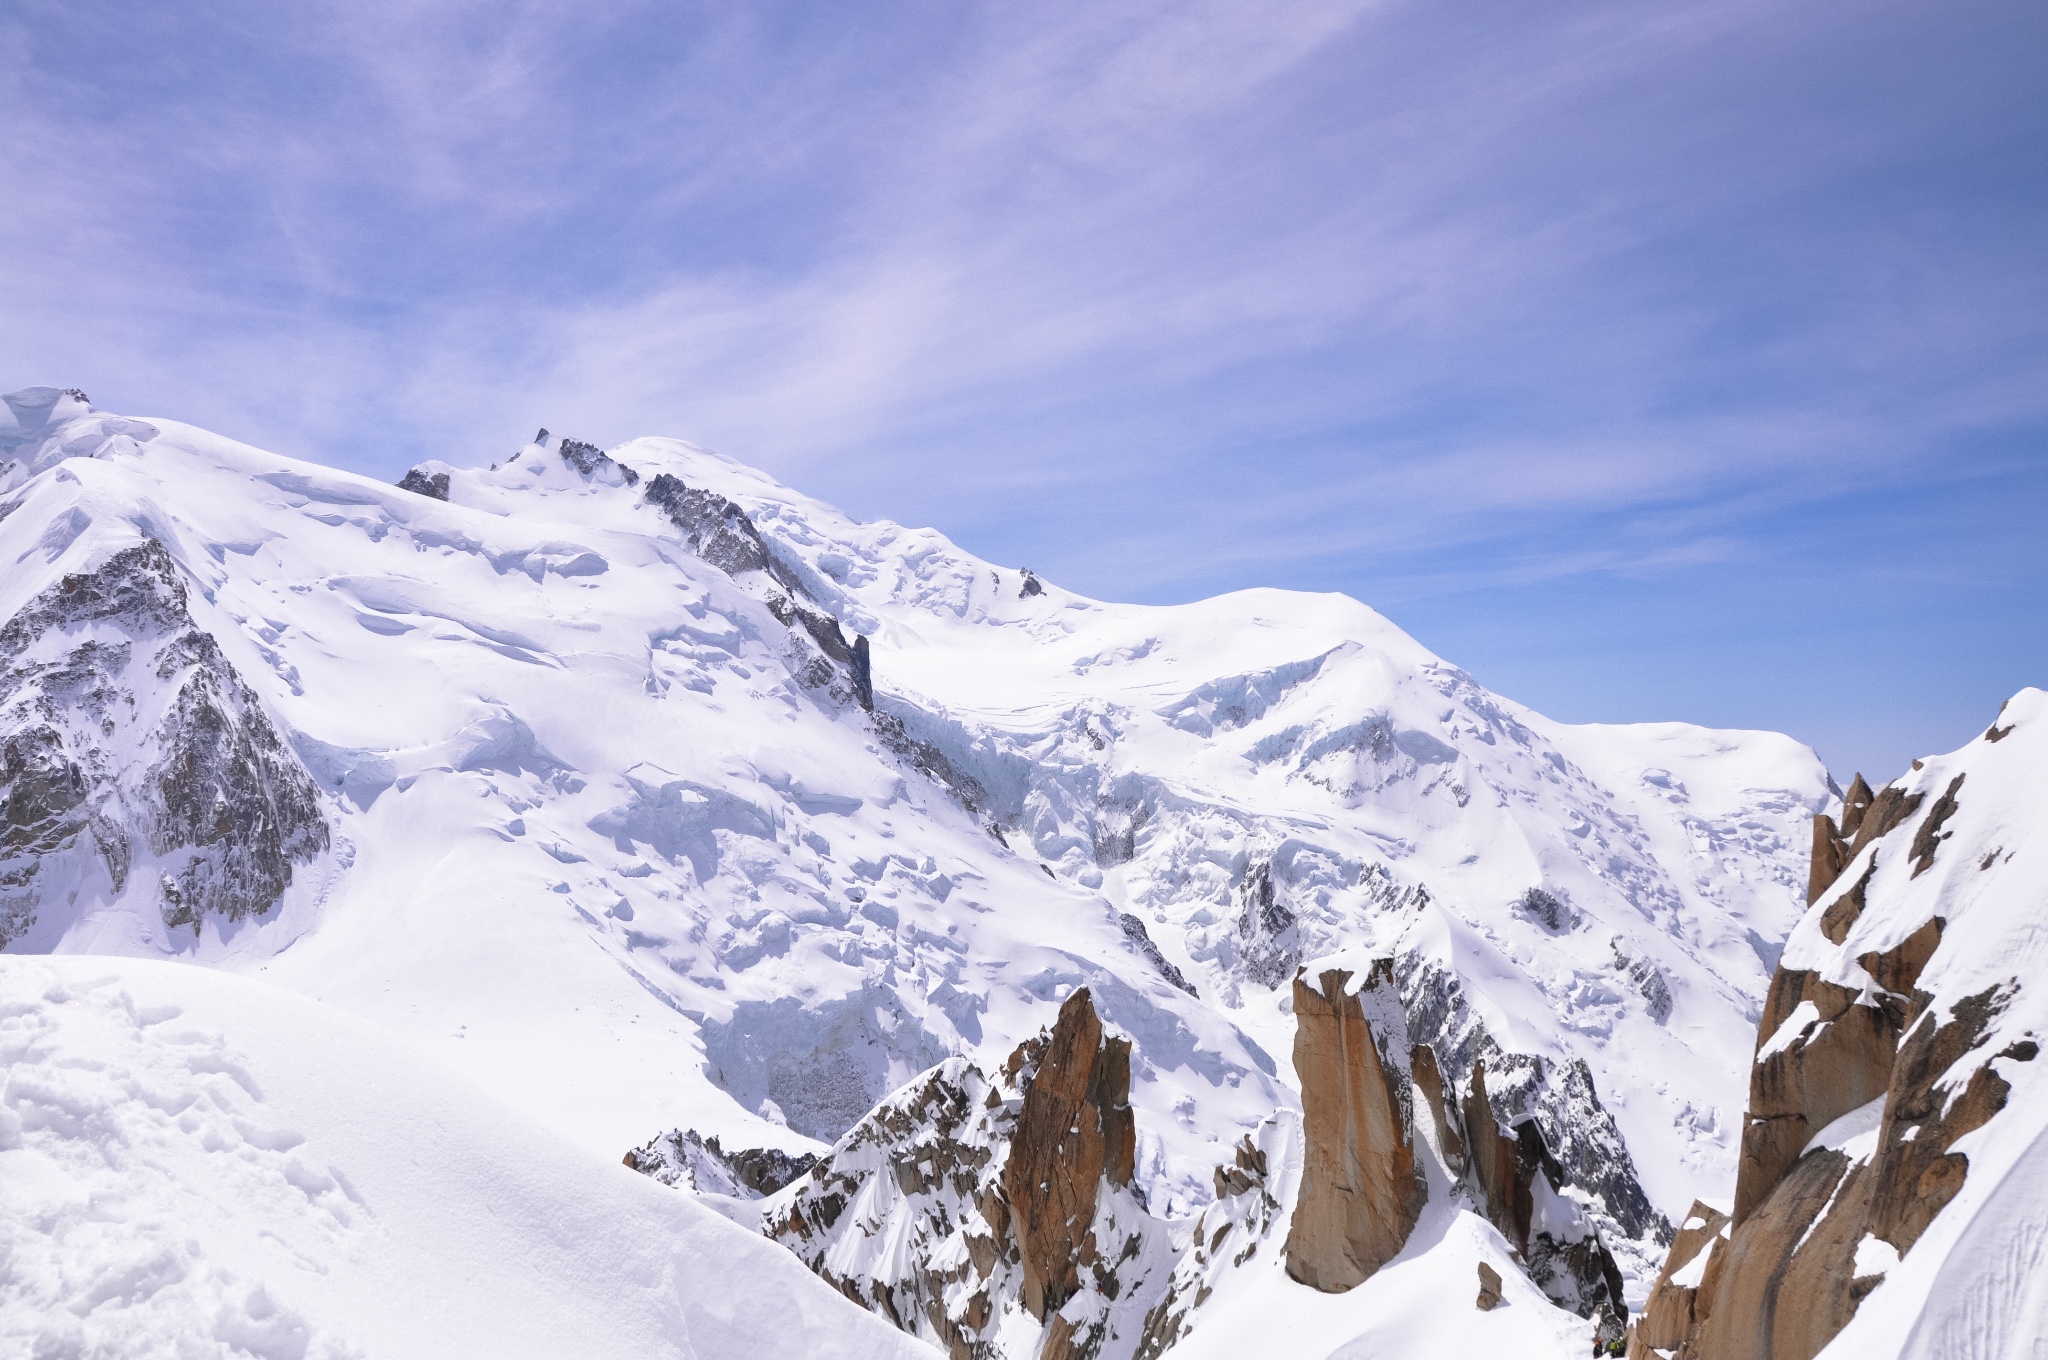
194,1164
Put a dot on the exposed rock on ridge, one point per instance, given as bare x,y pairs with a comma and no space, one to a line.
1514,1180
127,737
969,1198
1074,1133
687,1159
1560,1098
594,462
720,532
977,1197
984,1211
427,480
1363,1189
1866,1074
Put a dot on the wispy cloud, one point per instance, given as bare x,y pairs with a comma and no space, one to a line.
1410,299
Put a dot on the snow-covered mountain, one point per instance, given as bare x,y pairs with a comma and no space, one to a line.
653,797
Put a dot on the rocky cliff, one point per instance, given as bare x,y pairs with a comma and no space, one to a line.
1898,1026
1361,1190
134,760
1363,1187
993,1213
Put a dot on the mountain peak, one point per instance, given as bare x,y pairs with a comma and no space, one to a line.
652,796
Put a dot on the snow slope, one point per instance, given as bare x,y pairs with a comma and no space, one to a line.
195,1164
613,837
1420,1304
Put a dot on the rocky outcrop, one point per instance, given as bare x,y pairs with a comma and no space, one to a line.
1504,1193
128,741
1074,1134
1826,1051
1553,913
595,463
1268,941
1865,817
1429,1082
716,529
1928,838
1361,1190
1826,1048
1648,981
929,758
1362,1187
863,673
686,1159
970,1204
1489,1288
720,532
1668,1316
1782,1284
422,481
1141,939
994,1213
1561,1097
1515,1180
1862,1086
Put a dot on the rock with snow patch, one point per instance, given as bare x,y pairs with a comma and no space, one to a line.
132,749
1902,1021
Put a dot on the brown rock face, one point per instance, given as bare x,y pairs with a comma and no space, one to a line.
1914,1172
1668,1315
1502,1168
1842,913
1781,1283
1429,1079
1928,838
1075,1129
1361,1191
1897,969
1496,1162
1027,1168
1855,803
1842,1063
1832,848
1888,809
1830,853
1742,1318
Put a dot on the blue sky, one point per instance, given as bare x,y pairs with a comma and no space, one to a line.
1651,361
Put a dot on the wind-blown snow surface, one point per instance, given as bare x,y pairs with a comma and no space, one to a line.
605,838
194,1164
